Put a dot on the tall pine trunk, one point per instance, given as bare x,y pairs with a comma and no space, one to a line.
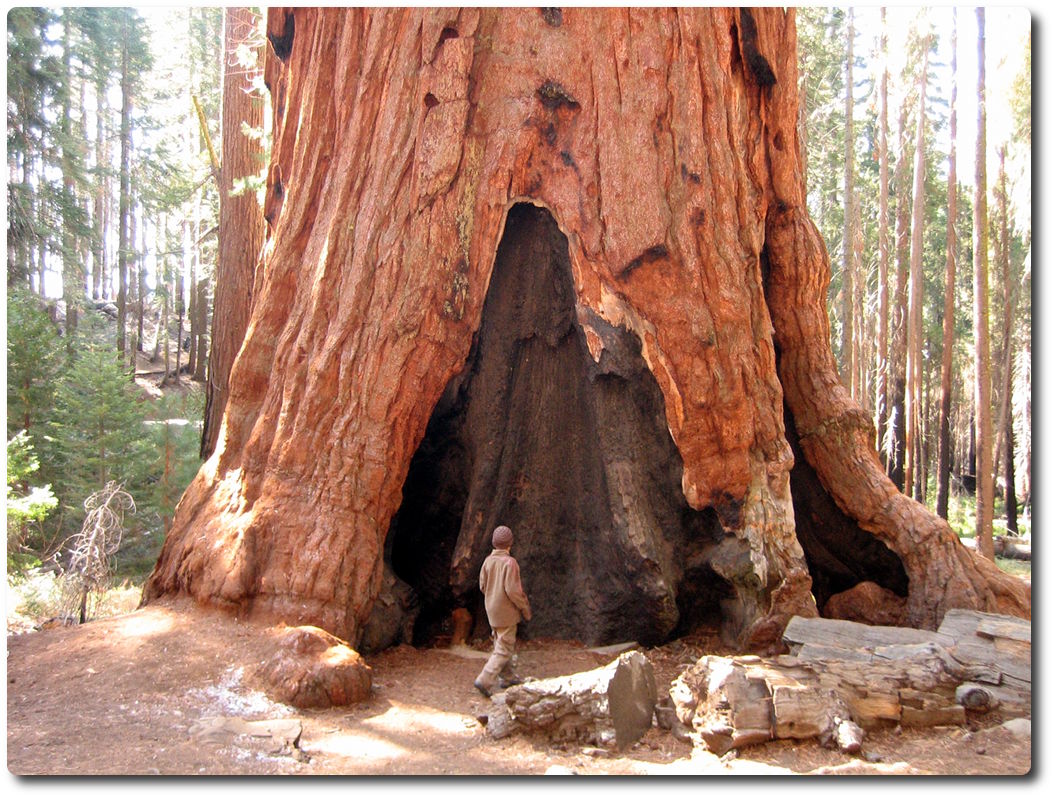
124,242
848,344
944,436
241,220
70,261
100,197
1005,436
982,365
882,366
898,358
913,409
201,340
142,287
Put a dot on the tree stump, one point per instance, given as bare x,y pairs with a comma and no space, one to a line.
612,705
312,669
845,677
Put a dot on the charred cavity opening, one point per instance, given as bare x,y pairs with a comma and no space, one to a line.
840,554
574,455
282,43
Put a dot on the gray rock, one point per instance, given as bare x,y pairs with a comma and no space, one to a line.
1019,727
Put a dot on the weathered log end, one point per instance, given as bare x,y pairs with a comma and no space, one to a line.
845,677
609,706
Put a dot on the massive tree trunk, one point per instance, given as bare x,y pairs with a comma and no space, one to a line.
516,276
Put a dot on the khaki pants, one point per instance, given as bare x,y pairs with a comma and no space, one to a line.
504,647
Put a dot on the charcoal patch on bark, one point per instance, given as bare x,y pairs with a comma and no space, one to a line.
759,65
554,96
553,17
282,43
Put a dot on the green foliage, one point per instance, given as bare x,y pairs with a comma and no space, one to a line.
27,505
173,433
88,420
34,359
96,432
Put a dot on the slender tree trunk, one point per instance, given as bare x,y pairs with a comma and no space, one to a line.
913,370
897,443
241,220
944,438
179,293
982,365
1022,422
192,288
42,251
849,370
84,242
202,340
124,241
860,354
99,200
133,280
140,308
163,338
70,261
1005,438
161,288
882,364
107,221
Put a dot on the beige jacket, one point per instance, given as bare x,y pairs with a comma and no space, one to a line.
499,579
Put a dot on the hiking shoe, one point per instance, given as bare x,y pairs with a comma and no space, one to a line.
509,681
479,686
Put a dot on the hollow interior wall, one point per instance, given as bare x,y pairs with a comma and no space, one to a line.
839,553
574,455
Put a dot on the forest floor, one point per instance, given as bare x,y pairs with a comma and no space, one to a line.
151,692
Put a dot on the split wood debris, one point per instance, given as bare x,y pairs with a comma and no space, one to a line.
843,677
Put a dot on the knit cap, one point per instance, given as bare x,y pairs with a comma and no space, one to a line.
502,537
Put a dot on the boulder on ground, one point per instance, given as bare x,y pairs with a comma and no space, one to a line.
868,603
313,669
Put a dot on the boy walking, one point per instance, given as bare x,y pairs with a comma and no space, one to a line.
507,604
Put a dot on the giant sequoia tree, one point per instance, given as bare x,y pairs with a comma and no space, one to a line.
549,268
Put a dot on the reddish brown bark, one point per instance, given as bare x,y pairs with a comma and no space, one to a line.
668,158
944,437
982,354
241,231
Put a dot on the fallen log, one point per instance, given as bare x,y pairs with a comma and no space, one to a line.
1006,547
1013,548
844,676
609,706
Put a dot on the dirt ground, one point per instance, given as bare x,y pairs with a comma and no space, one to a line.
147,693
